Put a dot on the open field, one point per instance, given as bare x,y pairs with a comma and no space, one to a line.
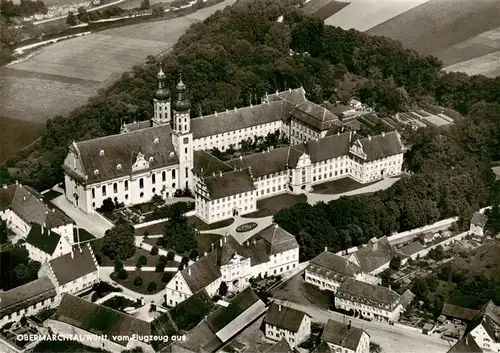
272,205
487,65
62,76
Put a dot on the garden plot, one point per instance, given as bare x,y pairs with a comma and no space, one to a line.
365,14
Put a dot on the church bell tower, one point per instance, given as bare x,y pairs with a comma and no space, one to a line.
161,101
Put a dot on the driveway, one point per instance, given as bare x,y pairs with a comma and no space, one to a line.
391,339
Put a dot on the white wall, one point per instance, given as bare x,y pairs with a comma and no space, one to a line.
31,310
484,340
212,211
293,338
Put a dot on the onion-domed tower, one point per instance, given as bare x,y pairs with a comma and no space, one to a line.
182,137
162,114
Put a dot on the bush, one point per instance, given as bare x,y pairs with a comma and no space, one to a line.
154,250
167,276
163,258
143,260
159,242
138,281
151,287
122,274
185,260
138,265
170,256
160,267
118,265
181,267
193,254
223,289
146,234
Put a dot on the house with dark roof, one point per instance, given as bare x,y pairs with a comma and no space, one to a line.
339,337
162,156
466,345
484,327
368,300
374,257
111,330
73,272
203,274
477,224
27,300
451,311
43,244
22,206
328,270
282,322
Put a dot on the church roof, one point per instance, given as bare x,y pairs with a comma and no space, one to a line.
238,119
123,149
136,125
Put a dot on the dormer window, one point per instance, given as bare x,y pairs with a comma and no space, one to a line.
150,159
101,153
171,155
118,166
96,172
156,140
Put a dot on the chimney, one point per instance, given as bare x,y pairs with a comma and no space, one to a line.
17,183
235,109
4,186
220,242
369,138
72,254
326,248
212,246
42,228
289,90
241,158
220,173
46,212
213,174
189,271
215,113
205,253
383,134
227,110
24,197
277,91
254,241
197,258
201,170
349,325
279,306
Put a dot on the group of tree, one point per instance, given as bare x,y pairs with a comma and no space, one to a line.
119,241
179,235
84,16
17,268
26,8
3,232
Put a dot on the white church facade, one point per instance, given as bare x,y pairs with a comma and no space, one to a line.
173,152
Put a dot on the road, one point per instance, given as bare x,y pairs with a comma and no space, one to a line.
392,339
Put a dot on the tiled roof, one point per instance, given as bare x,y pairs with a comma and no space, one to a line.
280,347
315,115
323,347
26,295
284,317
369,294
202,273
466,345
406,298
238,119
67,268
295,96
375,254
411,248
256,251
206,164
479,219
458,312
333,146
342,335
43,239
123,149
199,339
230,183
31,207
333,266
278,239
382,146
136,125
223,316
99,319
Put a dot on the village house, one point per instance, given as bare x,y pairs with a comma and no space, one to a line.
22,206
374,257
43,244
280,347
477,224
466,345
79,317
328,271
73,272
285,322
27,300
338,337
369,301
166,154
484,328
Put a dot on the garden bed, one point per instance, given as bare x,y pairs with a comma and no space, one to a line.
272,205
147,277
106,261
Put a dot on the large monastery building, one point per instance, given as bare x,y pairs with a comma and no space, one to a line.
172,152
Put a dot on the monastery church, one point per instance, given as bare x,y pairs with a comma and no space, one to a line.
172,151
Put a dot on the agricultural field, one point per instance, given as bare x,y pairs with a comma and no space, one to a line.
487,65
62,76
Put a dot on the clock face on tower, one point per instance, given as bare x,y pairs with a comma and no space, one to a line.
186,140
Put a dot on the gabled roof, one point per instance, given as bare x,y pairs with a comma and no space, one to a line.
136,125
278,239
466,345
199,339
98,319
280,347
406,298
241,118
284,317
382,146
411,248
369,294
329,147
43,239
479,219
489,318
323,347
256,251
26,295
458,312
123,149
202,273
295,96
72,266
333,266
206,164
314,115
31,207
230,183
342,335
374,254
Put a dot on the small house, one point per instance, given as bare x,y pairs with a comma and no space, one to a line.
477,224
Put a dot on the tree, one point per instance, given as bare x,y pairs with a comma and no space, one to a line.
145,4
138,281
160,267
3,232
158,10
122,274
223,289
118,265
395,263
108,206
193,254
170,256
167,276
71,19
154,250
143,260
119,241
151,287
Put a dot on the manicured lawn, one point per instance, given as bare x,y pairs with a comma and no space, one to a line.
147,277
204,242
200,225
297,291
339,186
272,205
105,261
154,229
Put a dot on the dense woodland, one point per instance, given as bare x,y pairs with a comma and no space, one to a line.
236,55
